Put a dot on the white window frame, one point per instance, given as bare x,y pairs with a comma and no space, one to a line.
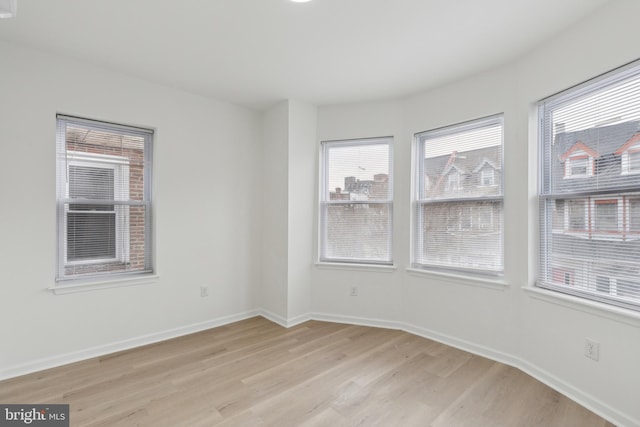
417,244
120,167
324,203
102,278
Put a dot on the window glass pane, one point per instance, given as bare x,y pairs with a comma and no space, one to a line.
90,182
357,232
634,161
462,234
578,166
577,215
606,215
361,171
91,235
634,215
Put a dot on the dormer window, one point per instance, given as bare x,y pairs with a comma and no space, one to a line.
578,161
630,153
487,176
453,181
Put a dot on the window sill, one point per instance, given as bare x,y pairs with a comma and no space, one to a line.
104,283
607,311
352,266
461,279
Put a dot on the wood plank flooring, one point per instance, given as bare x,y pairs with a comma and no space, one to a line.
256,373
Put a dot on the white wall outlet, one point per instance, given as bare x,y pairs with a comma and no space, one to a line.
204,291
592,349
354,291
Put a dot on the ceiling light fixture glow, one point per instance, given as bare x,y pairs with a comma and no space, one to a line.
300,1
8,8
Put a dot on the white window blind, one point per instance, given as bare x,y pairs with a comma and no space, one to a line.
356,202
458,198
590,189
103,174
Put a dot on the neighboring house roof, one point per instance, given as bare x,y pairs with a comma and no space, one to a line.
604,144
630,143
597,141
484,162
579,146
464,162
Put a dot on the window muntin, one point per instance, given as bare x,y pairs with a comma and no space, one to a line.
457,220
598,240
356,206
103,193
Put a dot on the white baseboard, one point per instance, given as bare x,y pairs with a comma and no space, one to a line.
275,318
76,356
352,320
286,323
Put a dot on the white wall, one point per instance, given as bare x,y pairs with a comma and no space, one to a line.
207,159
544,335
252,238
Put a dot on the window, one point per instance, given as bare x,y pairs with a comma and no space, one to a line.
634,161
459,227
592,131
634,215
578,166
577,215
356,205
103,199
487,176
453,181
606,215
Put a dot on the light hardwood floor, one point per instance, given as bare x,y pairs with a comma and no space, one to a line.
256,373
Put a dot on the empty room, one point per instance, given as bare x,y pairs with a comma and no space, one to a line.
320,213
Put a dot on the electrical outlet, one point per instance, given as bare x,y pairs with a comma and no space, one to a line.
204,291
354,291
591,349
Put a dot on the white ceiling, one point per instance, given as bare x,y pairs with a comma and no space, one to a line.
257,52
